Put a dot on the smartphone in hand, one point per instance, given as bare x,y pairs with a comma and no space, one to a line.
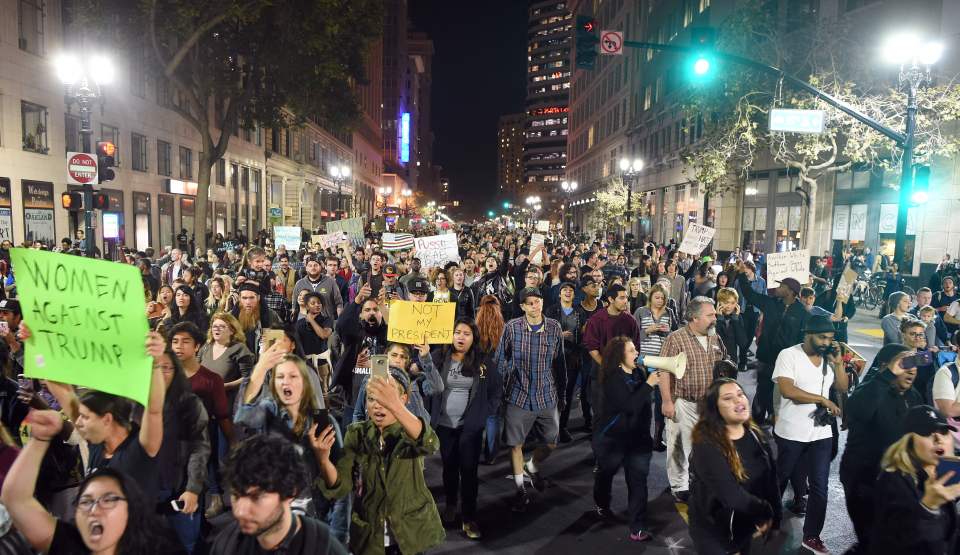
379,366
322,420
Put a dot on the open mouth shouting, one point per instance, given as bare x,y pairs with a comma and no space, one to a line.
95,528
286,392
379,415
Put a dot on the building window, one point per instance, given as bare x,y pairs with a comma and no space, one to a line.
34,119
257,135
222,172
138,74
164,93
71,135
186,163
163,158
112,134
138,147
861,179
31,26
275,140
288,140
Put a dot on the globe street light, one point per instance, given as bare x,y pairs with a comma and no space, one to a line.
568,187
915,57
339,173
630,172
82,81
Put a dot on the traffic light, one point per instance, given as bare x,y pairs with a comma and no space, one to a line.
101,201
587,39
72,201
106,152
921,184
490,214
702,63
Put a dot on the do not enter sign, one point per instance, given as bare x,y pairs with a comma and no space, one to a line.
81,168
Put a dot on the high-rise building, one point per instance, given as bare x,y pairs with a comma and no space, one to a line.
397,103
510,135
549,40
420,49
368,135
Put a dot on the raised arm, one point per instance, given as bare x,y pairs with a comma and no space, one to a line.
151,429
29,516
268,359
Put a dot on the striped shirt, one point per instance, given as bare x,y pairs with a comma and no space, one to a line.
651,343
525,358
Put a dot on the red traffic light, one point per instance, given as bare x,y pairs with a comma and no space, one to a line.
589,25
101,201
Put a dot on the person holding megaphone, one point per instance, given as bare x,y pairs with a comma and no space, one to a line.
623,436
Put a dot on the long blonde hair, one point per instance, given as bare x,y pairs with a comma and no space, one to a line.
308,402
901,457
653,290
236,336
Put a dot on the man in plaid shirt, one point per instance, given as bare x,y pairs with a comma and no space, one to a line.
680,397
530,361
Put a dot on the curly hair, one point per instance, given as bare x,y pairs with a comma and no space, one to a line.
268,463
490,323
236,332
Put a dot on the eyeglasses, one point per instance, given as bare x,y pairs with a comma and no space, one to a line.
106,502
219,327
917,335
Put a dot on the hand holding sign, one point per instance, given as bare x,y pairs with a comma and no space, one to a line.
412,322
696,239
781,265
86,320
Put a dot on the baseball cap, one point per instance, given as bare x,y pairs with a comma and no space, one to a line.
528,292
390,269
792,284
924,420
418,285
11,305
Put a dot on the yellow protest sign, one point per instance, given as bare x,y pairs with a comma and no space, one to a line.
409,322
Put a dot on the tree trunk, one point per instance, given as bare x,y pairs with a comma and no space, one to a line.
811,214
203,195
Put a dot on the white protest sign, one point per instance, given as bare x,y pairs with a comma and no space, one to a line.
543,225
781,265
437,250
536,241
696,239
330,240
351,226
287,235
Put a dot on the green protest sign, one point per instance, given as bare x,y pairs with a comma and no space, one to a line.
87,322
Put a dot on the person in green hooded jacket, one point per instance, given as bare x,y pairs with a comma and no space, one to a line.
400,518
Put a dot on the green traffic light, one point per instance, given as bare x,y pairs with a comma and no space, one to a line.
490,213
701,66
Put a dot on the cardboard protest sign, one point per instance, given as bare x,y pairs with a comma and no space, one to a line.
696,238
410,322
845,287
543,225
87,320
353,227
328,240
287,235
781,265
536,241
437,250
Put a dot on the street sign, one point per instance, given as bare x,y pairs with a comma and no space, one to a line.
81,168
797,121
611,42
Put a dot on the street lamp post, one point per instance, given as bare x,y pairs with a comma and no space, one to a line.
915,59
568,188
406,200
533,201
82,81
340,173
630,171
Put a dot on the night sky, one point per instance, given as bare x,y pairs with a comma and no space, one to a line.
479,73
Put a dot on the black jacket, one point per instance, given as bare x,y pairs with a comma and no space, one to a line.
875,413
782,325
466,302
485,393
354,337
733,334
625,410
902,525
722,507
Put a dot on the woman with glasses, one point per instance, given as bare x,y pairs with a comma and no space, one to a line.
112,514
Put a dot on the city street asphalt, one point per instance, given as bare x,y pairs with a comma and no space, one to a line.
560,519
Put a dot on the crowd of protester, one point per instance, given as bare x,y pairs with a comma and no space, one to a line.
267,427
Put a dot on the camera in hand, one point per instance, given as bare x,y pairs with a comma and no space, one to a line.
256,275
822,417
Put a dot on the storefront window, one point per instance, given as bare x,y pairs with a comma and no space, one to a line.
167,233
38,212
187,211
141,220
